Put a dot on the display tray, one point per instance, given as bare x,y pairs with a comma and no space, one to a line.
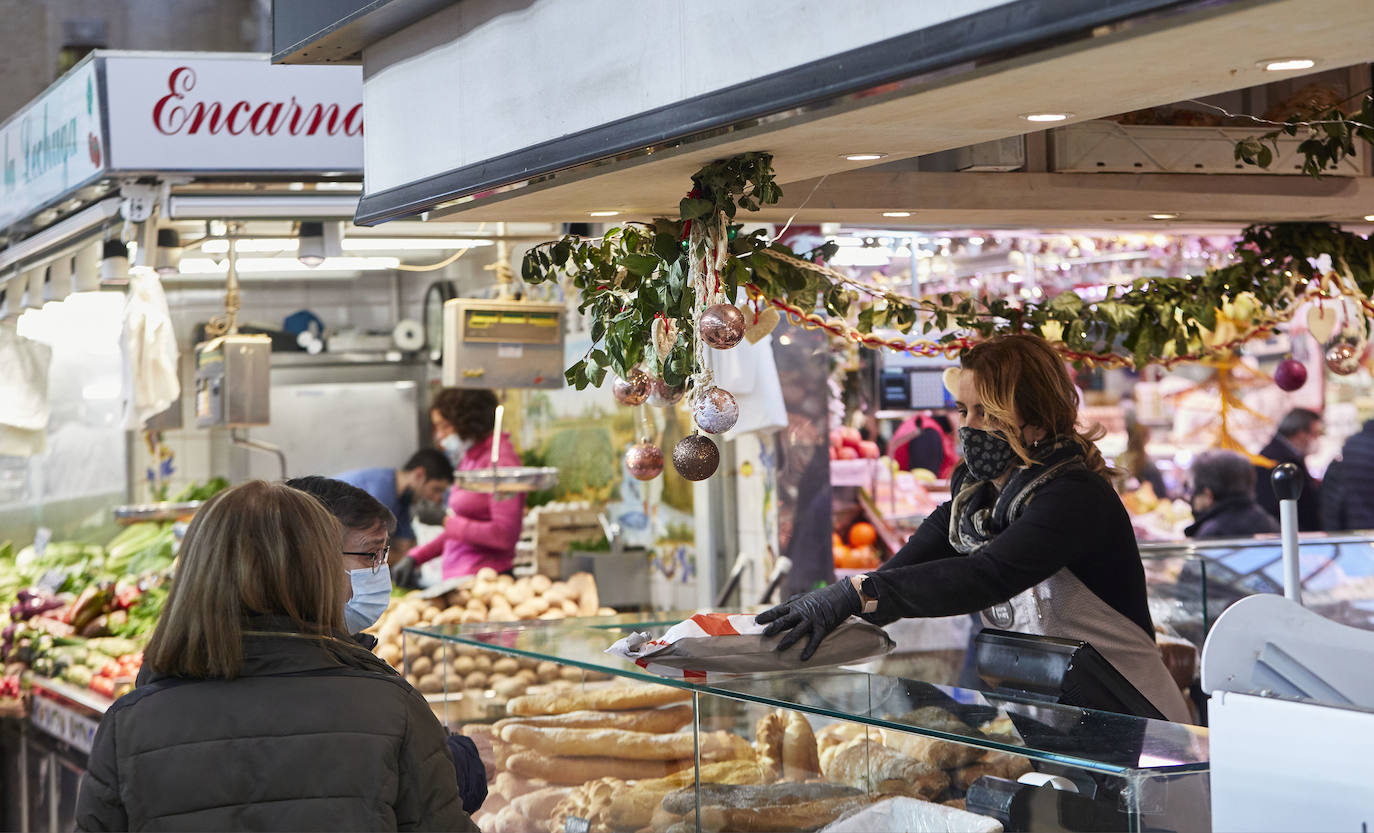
506,479
1091,740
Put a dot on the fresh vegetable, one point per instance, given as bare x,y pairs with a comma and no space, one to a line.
862,534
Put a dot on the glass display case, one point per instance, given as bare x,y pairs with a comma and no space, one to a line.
596,743
1191,582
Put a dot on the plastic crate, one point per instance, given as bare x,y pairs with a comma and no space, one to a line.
1107,147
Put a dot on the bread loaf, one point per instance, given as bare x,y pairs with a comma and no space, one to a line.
511,785
634,807
625,697
510,821
657,721
800,760
941,754
612,743
807,815
569,770
872,767
538,805
768,735
752,795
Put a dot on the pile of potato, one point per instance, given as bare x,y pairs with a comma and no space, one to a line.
488,597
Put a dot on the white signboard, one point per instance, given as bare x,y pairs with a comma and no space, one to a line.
232,113
51,146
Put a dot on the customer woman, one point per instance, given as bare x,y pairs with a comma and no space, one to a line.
1034,537
481,529
260,713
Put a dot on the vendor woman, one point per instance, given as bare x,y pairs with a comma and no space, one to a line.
1034,537
481,529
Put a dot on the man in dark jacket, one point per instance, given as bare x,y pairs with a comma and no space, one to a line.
1223,498
1297,437
1348,490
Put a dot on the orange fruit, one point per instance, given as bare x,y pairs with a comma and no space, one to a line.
862,534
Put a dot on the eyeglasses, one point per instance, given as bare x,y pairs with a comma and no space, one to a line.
376,560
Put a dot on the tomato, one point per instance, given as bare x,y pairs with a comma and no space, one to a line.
103,686
862,534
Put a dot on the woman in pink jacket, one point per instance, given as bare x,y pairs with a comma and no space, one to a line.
481,529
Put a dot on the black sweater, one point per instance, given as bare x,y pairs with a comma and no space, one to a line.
1076,521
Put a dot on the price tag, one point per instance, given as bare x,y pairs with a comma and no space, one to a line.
51,581
510,351
40,541
573,824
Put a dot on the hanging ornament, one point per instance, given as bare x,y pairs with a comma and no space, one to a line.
665,336
644,460
1321,321
631,391
695,457
767,319
1344,352
662,395
1290,375
715,411
722,326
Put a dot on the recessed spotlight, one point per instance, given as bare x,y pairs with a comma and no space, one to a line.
1164,216
1287,64
1369,218
1043,117
896,213
602,213
864,157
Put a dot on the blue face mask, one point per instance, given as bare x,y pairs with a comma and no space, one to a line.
371,595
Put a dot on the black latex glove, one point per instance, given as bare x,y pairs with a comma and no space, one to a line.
406,574
812,615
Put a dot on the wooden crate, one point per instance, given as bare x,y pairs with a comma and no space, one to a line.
555,531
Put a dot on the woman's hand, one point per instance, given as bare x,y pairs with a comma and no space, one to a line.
812,615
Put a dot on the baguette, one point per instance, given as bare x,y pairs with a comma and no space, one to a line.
872,767
619,743
657,721
538,805
807,815
636,697
511,785
572,771
737,796
941,754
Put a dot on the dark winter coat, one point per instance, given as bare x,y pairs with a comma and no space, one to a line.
1309,502
1234,517
313,735
1348,490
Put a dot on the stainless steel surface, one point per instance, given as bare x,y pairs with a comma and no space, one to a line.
508,479
503,344
232,382
163,511
244,441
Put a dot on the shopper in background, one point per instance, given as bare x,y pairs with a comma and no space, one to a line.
1136,460
1035,536
260,713
427,474
925,441
365,522
481,529
1347,499
1223,498
1297,437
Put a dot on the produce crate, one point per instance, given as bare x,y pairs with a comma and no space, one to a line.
1102,146
556,530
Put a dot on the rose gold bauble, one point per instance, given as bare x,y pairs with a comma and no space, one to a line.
722,326
631,391
1343,355
715,411
644,460
695,457
661,395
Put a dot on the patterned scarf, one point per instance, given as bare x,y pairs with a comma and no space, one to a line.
979,512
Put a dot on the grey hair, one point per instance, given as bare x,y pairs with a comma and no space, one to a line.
1224,473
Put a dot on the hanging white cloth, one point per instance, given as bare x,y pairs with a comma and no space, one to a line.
750,374
151,383
23,393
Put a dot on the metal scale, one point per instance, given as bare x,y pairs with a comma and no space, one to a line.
1292,707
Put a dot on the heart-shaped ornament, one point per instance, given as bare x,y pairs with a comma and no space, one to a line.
767,321
1321,322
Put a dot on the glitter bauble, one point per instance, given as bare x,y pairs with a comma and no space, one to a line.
722,326
644,460
715,411
695,457
661,395
1290,375
631,391
1343,354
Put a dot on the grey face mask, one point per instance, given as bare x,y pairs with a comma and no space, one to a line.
987,455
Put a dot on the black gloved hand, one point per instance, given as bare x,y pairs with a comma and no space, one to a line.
813,615
406,574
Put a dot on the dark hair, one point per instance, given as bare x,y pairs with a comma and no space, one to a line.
1297,421
1225,474
433,461
354,508
471,411
258,548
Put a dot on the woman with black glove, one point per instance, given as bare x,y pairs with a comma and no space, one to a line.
1035,536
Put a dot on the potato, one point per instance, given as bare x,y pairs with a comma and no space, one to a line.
526,676
562,588
483,662
605,611
464,665
505,666
541,603
554,597
477,605
519,593
431,684
407,617
528,610
570,608
486,574
468,617
390,654
540,583
420,666
571,674
504,580
476,679
547,671
501,613
413,680
509,687
430,611
553,614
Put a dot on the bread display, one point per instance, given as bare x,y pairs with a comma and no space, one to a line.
738,796
622,697
571,771
668,719
806,815
874,768
636,806
786,747
619,743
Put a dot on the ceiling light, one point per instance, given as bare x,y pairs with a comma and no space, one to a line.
1369,218
864,157
1287,64
1164,216
206,266
896,213
114,263
602,213
168,254
372,244
310,250
1044,117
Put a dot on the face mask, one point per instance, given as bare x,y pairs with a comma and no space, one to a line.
371,595
455,447
987,455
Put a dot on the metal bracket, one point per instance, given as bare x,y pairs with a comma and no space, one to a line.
139,200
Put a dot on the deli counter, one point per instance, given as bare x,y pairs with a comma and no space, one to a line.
607,746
